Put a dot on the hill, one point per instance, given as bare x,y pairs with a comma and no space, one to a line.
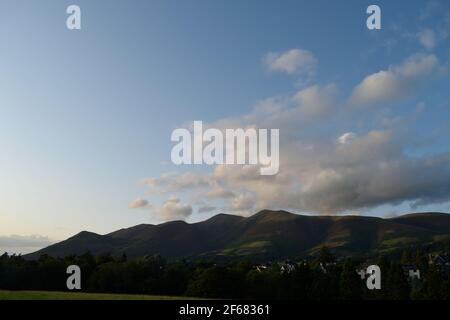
265,235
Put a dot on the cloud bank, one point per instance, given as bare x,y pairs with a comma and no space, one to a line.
328,164
291,62
24,241
395,83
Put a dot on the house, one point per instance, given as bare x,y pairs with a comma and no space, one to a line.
414,274
287,267
261,268
411,271
440,260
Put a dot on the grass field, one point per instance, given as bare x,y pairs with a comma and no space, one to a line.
54,295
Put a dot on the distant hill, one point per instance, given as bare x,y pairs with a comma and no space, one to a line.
265,235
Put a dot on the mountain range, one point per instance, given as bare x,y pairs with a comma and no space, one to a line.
264,235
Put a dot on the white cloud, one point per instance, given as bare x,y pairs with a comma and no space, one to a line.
242,202
315,102
347,137
205,209
25,241
328,177
291,62
166,183
138,203
219,193
398,82
293,112
329,171
427,38
172,209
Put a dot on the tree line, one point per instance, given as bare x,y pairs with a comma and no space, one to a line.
318,279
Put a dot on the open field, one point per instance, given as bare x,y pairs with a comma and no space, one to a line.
55,295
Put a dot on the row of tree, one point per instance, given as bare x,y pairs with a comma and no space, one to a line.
322,278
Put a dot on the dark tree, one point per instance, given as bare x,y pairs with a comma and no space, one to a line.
397,283
351,286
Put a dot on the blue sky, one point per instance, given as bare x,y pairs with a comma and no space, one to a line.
86,116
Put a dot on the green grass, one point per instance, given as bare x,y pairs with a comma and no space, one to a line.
441,237
55,295
400,241
260,246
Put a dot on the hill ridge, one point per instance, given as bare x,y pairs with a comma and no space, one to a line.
266,234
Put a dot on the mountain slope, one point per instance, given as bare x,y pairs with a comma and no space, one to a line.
267,234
